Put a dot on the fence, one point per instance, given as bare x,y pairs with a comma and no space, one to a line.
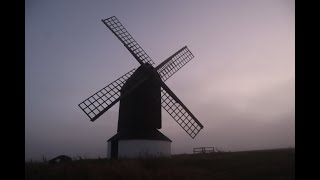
203,150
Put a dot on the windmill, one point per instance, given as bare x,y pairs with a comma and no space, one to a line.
142,92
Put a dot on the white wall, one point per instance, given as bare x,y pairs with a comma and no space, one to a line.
142,148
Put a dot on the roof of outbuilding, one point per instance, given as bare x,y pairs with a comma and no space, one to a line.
152,134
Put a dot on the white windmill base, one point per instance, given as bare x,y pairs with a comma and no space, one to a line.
137,148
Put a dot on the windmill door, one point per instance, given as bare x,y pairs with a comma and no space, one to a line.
114,149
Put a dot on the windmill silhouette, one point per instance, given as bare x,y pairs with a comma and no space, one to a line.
141,93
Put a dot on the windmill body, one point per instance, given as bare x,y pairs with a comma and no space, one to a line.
139,119
142,92
141,109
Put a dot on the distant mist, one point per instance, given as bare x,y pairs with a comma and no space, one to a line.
240,85
88,139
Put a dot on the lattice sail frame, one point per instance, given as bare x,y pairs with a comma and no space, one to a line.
105,98
176,63
186,120
123,35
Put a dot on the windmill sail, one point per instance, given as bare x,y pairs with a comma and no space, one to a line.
122,34
175,62
104,99
179,112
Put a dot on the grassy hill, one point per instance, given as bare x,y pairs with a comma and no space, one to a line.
278,164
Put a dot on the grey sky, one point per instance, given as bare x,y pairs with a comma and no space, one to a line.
240,84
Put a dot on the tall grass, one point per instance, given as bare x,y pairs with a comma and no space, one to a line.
276,164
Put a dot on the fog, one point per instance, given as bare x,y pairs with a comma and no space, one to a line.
240,84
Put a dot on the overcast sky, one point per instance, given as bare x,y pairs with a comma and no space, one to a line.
240,84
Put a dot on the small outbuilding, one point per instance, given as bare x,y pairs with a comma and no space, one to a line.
60,159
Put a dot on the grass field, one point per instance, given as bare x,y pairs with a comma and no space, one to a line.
278,164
